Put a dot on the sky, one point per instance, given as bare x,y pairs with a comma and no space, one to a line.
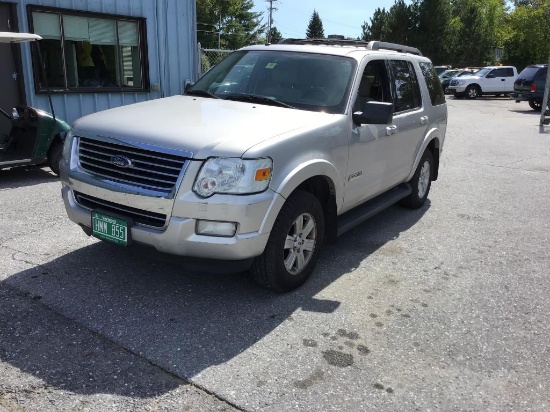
339,17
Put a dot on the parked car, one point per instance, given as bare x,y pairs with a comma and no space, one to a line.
491,80
29,136
446,78
530,85
441,69
314,137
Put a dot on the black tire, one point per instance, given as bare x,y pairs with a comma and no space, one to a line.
54,156
289,259
472,92
420,182
535,105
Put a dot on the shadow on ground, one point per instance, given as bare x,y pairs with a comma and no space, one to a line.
182,321
25,176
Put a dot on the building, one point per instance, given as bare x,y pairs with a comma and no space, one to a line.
98,54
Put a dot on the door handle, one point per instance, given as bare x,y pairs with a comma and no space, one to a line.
391,130
502,80
424,120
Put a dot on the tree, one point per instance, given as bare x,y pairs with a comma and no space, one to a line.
399,23
275,35
375,30
529,38
315,27
432,35
228,24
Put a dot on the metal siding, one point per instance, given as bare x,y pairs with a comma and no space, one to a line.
171,39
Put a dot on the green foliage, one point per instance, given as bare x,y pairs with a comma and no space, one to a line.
315,27
228,24
275,35
399,23
375,30
529,39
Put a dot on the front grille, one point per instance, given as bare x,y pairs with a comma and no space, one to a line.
139,216
152,170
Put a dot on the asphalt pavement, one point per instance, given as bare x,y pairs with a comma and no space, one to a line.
442,308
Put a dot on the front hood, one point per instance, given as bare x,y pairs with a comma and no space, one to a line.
204,126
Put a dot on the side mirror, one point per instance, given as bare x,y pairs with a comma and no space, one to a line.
187,86
374,113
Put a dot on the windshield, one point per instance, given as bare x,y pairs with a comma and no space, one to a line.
448,73
315,82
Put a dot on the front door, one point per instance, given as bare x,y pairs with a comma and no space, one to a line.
371,146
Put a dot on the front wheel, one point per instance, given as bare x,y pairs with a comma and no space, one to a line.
472,92
54,156
294,244
420,182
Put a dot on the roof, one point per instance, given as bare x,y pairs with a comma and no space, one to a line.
335,46
10,37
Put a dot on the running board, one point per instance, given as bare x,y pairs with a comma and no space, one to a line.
361,213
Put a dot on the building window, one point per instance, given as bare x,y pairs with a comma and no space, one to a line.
90,52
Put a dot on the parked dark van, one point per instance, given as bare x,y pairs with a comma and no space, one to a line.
529,86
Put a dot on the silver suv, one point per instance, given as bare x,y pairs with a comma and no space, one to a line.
273,152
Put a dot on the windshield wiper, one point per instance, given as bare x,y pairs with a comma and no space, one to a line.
257,99
201,93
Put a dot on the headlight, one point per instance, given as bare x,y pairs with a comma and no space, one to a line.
233,176
459,82
69,154
67,144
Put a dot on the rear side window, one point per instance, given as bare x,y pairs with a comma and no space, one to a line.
435,90
503,72
406,89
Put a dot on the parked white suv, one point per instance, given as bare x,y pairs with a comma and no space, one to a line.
273,152
495,80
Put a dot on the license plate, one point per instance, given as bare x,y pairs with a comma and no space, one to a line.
110,228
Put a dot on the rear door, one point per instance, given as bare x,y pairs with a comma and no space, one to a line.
410,116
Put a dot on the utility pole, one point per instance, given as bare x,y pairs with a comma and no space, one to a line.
270,19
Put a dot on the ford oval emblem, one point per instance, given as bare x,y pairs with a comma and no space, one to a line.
121,161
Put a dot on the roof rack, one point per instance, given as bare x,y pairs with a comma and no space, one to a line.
372,45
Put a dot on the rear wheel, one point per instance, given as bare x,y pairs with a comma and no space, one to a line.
472,92
420,182
54,156
294,244
535,105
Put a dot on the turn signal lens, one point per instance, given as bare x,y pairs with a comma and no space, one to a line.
262,174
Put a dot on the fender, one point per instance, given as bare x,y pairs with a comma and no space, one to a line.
433,134
293,179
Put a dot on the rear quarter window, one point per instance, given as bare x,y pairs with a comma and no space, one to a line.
435,90
542,73
529,73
